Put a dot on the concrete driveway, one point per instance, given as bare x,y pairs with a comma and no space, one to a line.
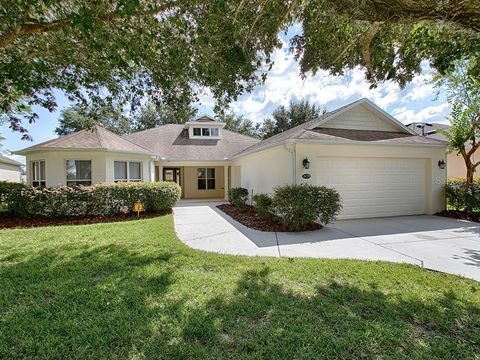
436,243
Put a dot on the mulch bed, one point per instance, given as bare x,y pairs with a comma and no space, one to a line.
249,217
463,215
7,222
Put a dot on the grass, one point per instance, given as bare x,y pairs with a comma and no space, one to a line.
132,290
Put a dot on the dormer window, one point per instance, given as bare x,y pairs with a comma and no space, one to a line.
206,132
205,128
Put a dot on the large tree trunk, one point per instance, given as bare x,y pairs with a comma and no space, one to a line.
465,13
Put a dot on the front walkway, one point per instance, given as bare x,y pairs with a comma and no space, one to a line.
434,242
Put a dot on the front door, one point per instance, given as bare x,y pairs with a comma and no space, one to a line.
172,174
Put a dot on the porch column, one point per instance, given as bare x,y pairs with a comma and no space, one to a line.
225,180
160,173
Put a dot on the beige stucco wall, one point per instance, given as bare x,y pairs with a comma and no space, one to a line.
456,165
262,171
10,173
102,164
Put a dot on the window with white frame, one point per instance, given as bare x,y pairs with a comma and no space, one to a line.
79,172
206,179
206,132
38,174
125,171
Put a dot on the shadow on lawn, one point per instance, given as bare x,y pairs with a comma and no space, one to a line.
106,303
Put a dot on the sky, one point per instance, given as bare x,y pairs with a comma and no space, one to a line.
419,101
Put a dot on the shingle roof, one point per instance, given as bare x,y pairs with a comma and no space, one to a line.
377,137
304,132
172,142
97,138
6,160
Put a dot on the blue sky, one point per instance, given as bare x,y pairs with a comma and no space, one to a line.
417,102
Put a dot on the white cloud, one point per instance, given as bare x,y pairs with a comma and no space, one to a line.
284,83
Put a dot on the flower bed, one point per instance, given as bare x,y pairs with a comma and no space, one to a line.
248,216
10,222
459,214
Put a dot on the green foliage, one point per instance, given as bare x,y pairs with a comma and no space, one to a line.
99,199
463,196
125,50
240,124
463,93
264,203
388,39
286,118
238,196
76,118
150,115
6,189
302,205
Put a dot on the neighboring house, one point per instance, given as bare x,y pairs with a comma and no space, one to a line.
455,162
10,170
379,166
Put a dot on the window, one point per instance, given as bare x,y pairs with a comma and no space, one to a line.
79,172
38,174
206,132
206,178
125,171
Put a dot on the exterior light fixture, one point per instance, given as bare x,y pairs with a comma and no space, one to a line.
306,163
441,164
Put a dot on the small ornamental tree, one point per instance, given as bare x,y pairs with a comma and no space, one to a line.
463,92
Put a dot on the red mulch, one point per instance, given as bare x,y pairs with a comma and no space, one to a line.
15,222
463,215
249,217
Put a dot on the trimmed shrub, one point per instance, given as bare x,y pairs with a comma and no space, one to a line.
238,196
264,202
463,197
99,199
302,205
5,189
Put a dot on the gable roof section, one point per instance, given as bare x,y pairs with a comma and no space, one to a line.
97,138
171,142
373,108
313,131
6,160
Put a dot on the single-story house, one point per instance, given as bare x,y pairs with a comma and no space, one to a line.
379,166
455,163
10,170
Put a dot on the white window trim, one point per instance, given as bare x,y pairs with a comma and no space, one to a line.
83,180
128,171
192,136
32,174
206,178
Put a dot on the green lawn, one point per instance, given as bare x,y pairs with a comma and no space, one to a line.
132,290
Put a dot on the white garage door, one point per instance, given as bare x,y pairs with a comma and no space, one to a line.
375,187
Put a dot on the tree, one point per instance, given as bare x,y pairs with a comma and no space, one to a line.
463,93
110,51
123,50
76,118
287,118
240,124
149,116
389,39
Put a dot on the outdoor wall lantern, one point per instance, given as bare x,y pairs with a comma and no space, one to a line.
306,163
441,164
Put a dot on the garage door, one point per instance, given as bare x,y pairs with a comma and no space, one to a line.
374,187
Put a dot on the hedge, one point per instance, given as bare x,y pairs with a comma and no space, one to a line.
264,203
462,197
302,205
99,199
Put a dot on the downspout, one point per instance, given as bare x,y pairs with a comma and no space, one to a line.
292,149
